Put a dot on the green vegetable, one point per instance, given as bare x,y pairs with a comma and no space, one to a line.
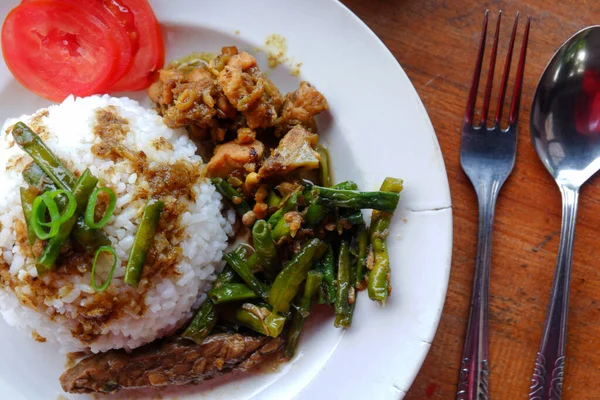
355,217
69,208
384,201
342,306
288,281
89,238
379,277
362,239
324,166
290,204
315,213
41,205
313,282
244,272
237,200
226,276
28,195
143,242
327,268
33,145
281,230
231,292
112,251
259,319
273,200
265,247
346,185
203,323
81,192
91,208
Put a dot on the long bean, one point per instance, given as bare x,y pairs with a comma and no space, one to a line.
288,282
228,275
362,239
290,204
383,201
204,321
259,319
324,166
33,145
313,282
346,185
28,195
143,242
265,247
243,270
379,278
231,292
342,305
327,268
81,191
237,200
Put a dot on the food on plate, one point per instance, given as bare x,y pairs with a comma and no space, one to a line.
48,287
171,362
89,47
118,240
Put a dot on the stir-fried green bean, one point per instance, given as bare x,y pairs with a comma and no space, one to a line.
313,282
379,277
28,195
265,247
237,200
288,281
243,270
315,213
204,321
33,145
326,266
362,239
290,204
282,229
231,292
384,201
90,239
324,166
81,191
257,318
346,185
273,200
143,242
342,305
354,217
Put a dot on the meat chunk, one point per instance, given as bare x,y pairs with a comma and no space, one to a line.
295,150
232,156
249,91
172,362
301,107
185,98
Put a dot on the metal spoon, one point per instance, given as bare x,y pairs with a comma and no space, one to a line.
565,129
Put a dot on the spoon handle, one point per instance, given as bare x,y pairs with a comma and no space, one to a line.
546,383
473,380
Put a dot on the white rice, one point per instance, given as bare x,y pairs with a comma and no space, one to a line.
169,300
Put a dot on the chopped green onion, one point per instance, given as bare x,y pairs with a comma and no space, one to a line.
91,208
112,251
40,206
70,208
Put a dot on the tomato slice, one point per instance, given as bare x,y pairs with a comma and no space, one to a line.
139,20
119,32
56,49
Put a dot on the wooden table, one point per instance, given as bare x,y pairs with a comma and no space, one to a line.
435,41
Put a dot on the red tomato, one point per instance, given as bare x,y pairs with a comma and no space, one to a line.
138,18
55,49
119,33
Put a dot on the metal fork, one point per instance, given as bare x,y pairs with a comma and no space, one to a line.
487,155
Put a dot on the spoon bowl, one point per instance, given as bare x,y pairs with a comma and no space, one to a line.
565,130
565,117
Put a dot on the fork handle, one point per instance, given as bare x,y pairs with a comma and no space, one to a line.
546,383
473,380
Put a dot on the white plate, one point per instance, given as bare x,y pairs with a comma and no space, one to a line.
377,127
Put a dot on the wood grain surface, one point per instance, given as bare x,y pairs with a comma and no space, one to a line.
435,41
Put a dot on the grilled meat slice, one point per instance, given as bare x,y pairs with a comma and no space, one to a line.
171,362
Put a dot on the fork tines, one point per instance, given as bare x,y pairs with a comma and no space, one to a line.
516,98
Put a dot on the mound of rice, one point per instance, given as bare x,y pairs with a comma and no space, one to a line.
61,307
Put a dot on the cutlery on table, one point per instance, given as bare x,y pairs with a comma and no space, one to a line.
565,131
487,155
